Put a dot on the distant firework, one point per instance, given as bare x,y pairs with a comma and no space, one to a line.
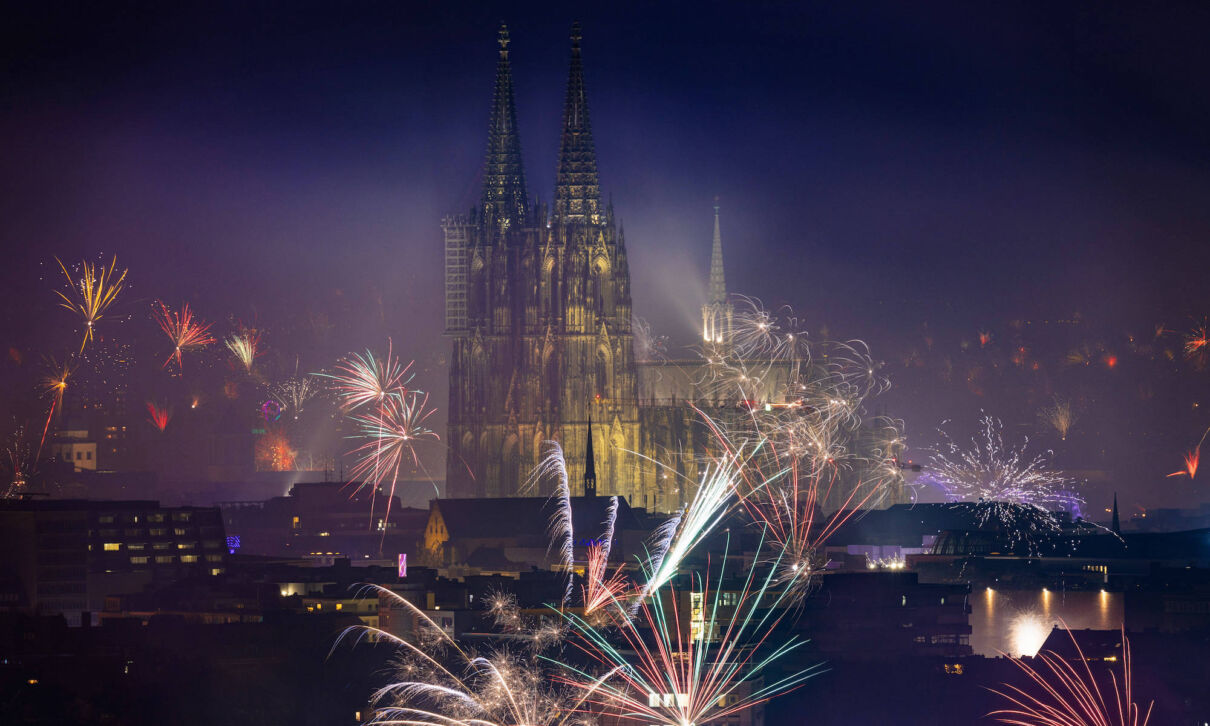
19,462
1191,459
183,330
158,415
1196,349
243,345
91,294
1063,692
1061,417
294,393
274,452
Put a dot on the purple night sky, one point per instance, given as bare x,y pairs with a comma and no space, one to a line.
909,178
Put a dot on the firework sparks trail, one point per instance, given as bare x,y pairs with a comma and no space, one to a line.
364,379
1192,458
677,537
501,689
392,429
554,465
92,294
599,588
1061,417
158,415
669,679
1001,483
1063,694
183,330
244,346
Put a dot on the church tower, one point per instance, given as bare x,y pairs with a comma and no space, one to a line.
717,313
538,307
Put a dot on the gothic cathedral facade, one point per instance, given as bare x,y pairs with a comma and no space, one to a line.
538,310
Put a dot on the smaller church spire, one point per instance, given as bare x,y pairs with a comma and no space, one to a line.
717,313
718,281
590,466
1117,524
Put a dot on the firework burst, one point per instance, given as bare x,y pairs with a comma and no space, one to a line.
91,294
55,385
444,685
1062,694
365,379
1001,483
692,675
185,332
391,429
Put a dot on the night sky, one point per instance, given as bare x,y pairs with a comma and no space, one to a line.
911,175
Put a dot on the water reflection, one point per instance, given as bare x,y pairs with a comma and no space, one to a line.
1017,622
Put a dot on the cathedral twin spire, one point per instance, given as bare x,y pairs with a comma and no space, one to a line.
577,184
505,201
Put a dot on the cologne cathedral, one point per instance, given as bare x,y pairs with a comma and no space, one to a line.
538,306
538,309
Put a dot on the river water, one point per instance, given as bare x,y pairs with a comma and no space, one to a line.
1017,622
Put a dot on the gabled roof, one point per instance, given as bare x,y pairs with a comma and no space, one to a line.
527,516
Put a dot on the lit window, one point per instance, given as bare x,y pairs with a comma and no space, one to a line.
188,558
179,531
138,560
185,545
113,546
164,559
340,606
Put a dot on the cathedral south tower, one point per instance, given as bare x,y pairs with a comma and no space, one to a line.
538,310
